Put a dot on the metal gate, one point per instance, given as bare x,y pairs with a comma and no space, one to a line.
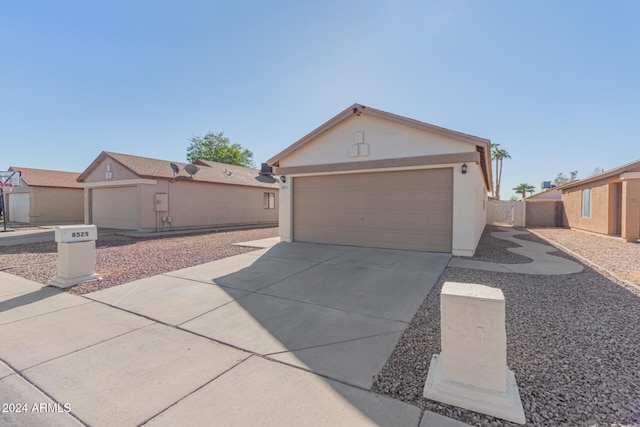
502,212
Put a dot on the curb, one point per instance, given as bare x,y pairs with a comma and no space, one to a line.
131,233
605,272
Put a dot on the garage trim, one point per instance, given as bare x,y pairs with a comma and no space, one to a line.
385,163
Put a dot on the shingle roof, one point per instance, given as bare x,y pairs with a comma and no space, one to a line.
213,172
603,175
48,178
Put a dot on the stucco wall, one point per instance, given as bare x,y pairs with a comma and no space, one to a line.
195,205
118,172
190,205
115,207
599,220
544,213
50,205
631,210
469,209
385,140
553,194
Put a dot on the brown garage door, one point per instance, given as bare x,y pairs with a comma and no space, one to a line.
399,210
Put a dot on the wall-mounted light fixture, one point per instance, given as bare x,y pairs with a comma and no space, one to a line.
464,168
283,179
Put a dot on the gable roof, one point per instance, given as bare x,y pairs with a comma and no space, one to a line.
608,174
483,146
545,193
212,172
47,178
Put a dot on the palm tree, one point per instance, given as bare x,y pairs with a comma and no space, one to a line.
494,148
524,189
498,154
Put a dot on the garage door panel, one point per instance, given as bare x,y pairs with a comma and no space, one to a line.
399,210
115,207
19,207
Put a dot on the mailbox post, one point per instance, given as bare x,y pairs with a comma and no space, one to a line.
76,255
471,372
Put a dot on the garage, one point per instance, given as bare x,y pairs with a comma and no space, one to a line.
115,207
19,207
371,178
411,210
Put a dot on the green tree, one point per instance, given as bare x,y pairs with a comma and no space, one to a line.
498,154
524,188
217,148
562,179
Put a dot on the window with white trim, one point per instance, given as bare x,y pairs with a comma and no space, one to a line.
586,203
269,200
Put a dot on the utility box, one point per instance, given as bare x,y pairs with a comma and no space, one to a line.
162,202
76,255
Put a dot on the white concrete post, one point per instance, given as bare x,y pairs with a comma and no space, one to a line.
76,255
471,372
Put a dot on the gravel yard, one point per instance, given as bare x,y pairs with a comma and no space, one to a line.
573,344
620,257
121,259
573,340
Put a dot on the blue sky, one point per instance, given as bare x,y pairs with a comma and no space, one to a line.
556,83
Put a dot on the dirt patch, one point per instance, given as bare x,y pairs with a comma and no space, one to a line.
631,276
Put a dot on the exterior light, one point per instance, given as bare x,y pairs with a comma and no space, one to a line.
464,168
283,179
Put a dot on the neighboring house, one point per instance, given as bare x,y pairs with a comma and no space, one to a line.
139,193
554,193
45,197
607,203
545,209
370,178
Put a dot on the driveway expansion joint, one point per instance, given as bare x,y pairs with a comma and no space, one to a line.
21,374
332,343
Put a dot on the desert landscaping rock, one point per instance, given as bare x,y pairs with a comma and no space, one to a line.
615,255
573,343
121,259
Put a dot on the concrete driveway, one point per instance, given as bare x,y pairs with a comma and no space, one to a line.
292,334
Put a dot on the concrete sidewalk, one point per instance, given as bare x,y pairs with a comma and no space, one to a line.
262,338
541,261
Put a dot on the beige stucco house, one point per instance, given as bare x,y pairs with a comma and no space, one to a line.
607,203
139,193
45,197
554,193
371,178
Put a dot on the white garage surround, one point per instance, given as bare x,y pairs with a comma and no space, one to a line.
467,208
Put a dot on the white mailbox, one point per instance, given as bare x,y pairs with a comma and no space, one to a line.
76,233
76,255
471,372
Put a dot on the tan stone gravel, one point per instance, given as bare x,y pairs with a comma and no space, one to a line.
613,254
121,259
573,342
